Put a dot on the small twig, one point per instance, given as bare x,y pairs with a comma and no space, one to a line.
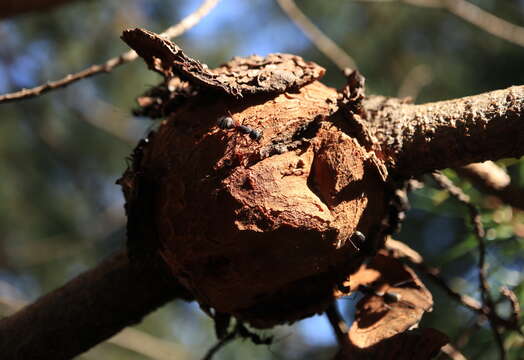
173,31
515,306
492,179
415,80
416,260
473,326
452,352
473,14
327,46
221,343
445,183
338,324
401,250
484,20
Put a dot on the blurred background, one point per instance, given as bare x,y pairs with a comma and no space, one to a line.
60,154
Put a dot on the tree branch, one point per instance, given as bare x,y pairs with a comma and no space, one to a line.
477,16
187,23
445,183
327,46
488,177
473,14
87,310
401,250
416,139
129,338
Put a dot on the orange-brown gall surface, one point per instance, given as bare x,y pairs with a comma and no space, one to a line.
258,229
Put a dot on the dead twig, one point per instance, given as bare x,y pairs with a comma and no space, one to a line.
414,259
220,344
445,183
473,14
452,352
515,306
327,46
173,31
415,80
492,179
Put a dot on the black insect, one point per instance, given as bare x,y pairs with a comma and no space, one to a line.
244,129
255,134
138,153
227,122
356,239
343,288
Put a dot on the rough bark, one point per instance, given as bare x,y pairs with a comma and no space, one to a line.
87,310
13,7
421,138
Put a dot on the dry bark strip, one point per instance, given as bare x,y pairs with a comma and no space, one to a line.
275,73
87,310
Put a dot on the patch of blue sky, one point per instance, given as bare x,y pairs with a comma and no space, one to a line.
317,331
26,69
260,32
4,83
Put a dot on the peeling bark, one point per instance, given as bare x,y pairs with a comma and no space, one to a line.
275,73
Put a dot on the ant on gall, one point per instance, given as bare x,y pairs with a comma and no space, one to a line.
227,122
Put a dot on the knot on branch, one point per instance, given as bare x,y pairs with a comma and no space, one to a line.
251,191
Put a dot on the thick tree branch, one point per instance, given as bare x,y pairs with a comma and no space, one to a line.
87,310
417,139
